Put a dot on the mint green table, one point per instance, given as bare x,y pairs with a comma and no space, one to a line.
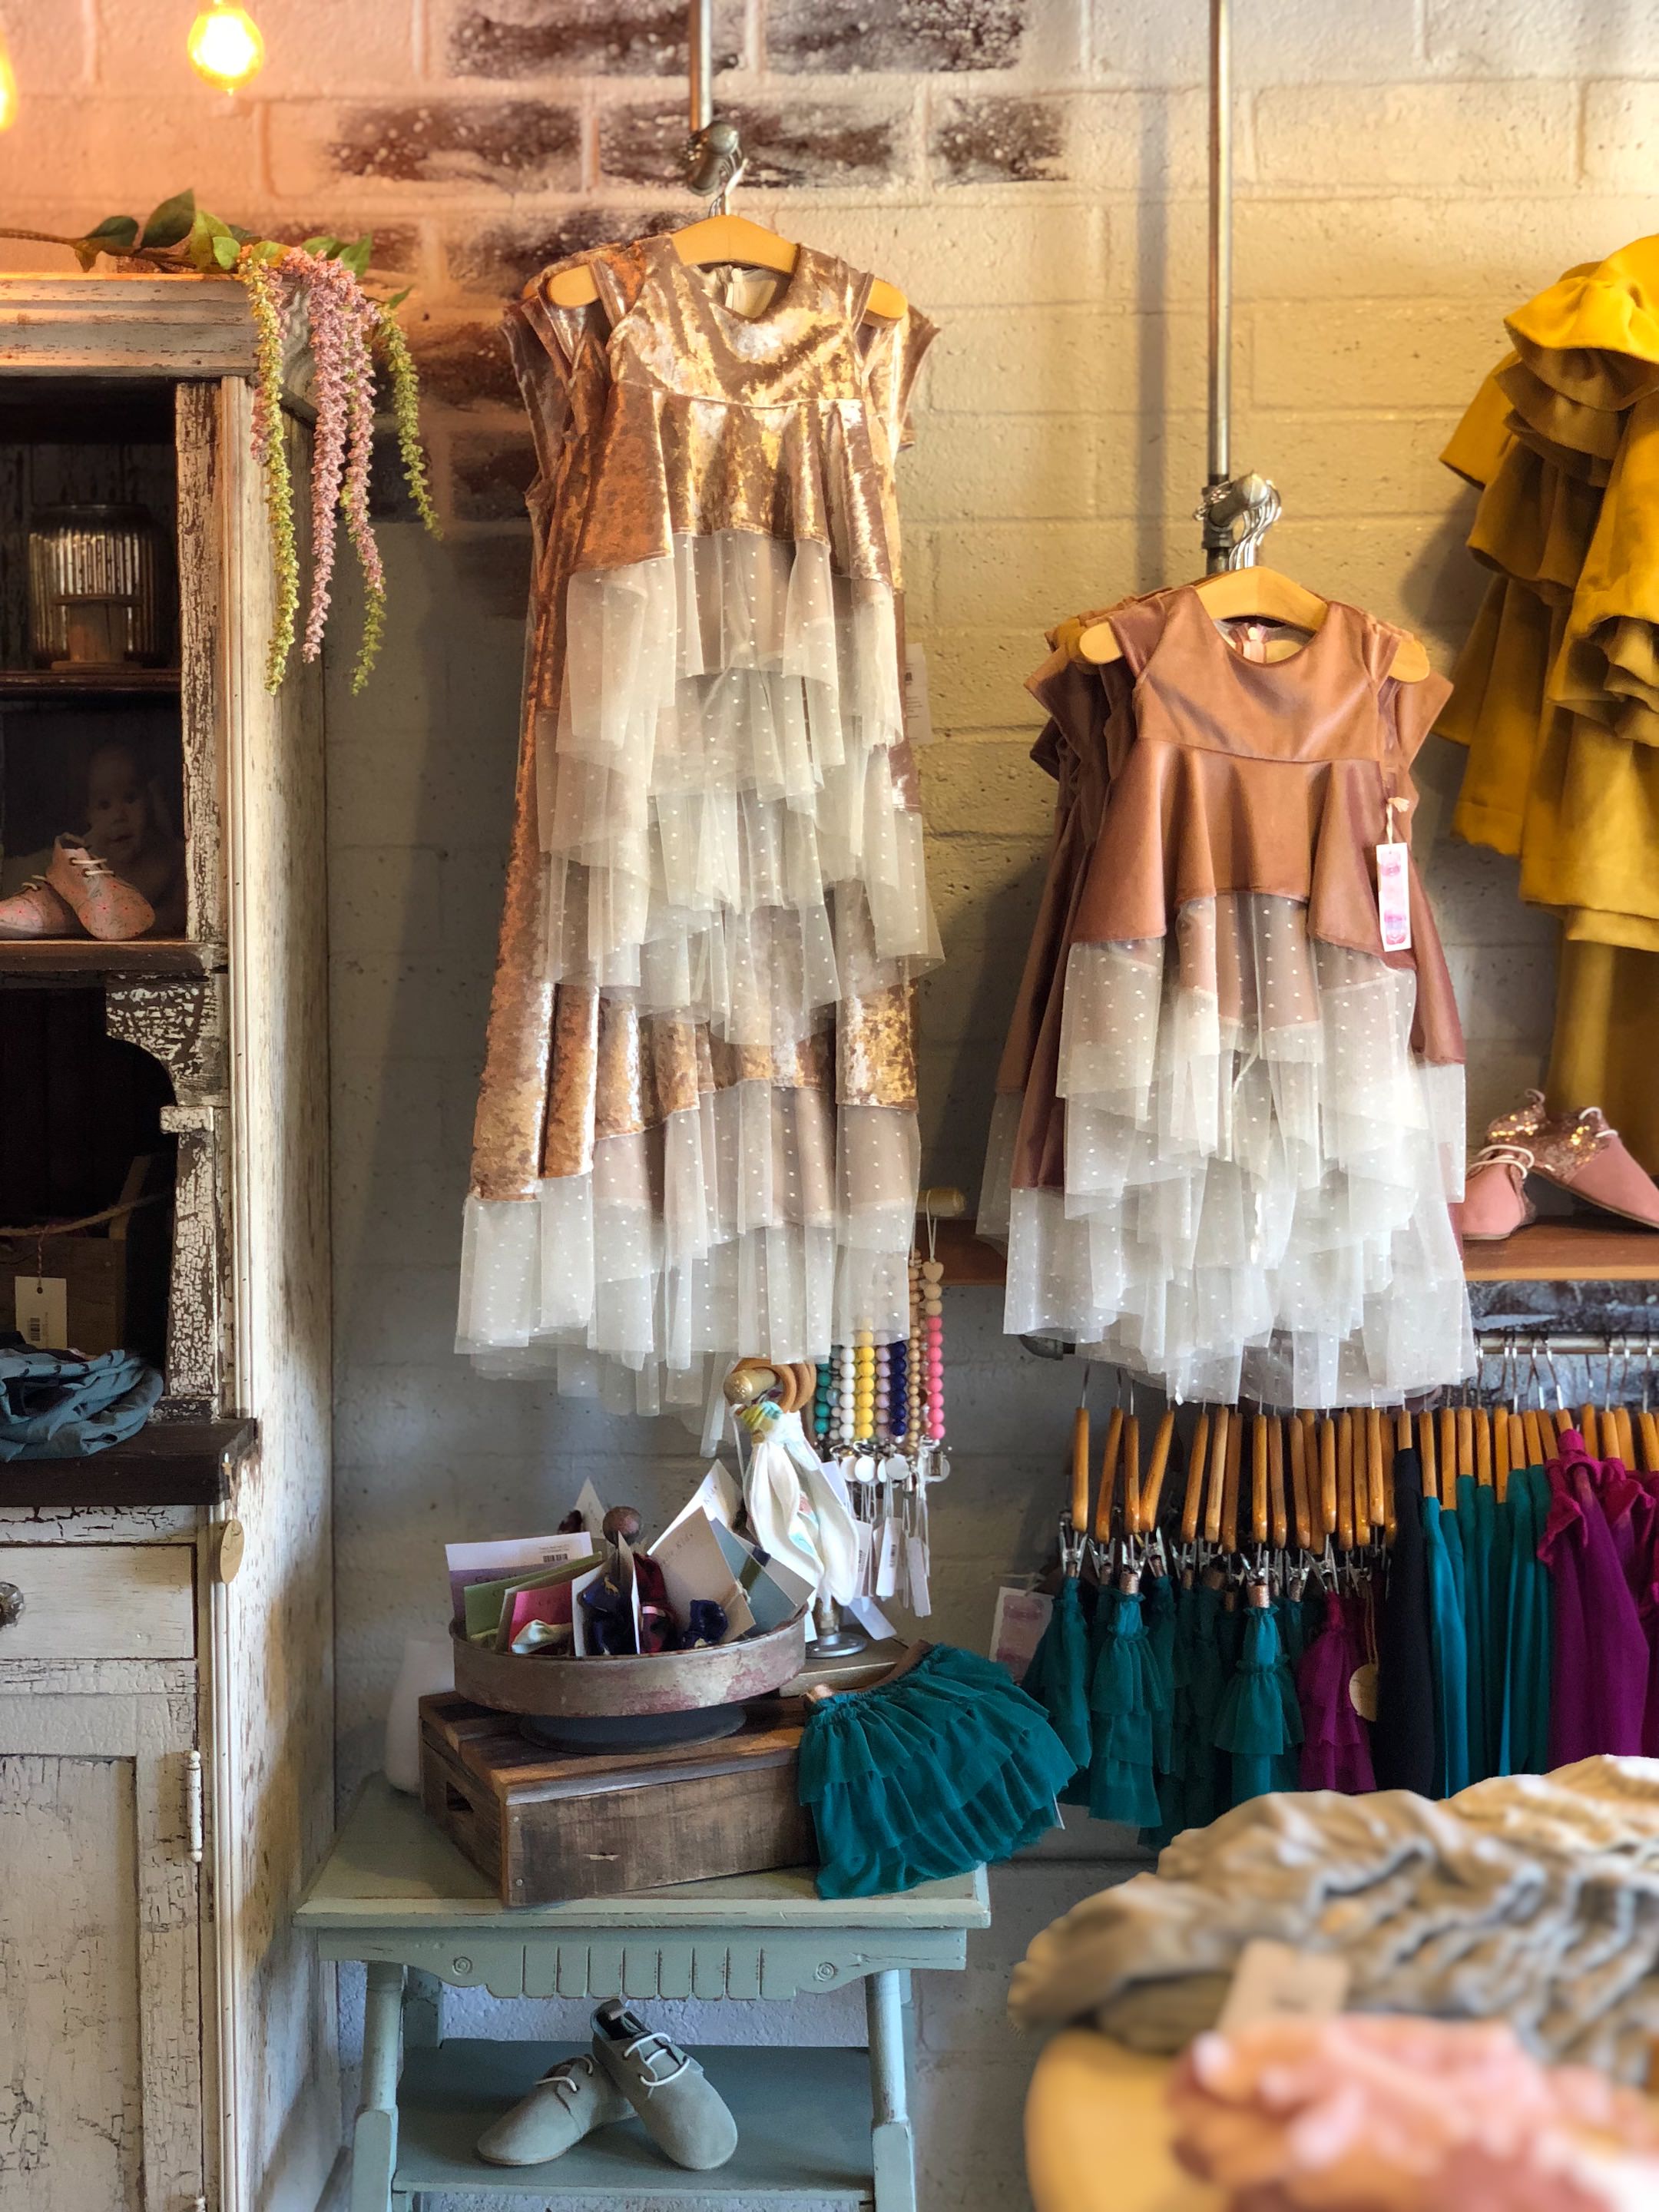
825,2127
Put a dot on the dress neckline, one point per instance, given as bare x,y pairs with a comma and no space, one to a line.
1189,595
687,277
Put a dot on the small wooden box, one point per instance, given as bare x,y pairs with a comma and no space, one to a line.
546,1826
97,1269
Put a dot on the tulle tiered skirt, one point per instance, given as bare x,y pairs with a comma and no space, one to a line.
762,1216
720,765
1258,1168
730,845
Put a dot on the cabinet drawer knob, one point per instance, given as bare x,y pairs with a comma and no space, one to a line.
11,1605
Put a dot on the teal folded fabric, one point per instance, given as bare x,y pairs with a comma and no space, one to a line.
56,1405
949,1766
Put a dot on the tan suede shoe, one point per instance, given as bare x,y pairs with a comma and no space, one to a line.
37,911
104,906
567,2104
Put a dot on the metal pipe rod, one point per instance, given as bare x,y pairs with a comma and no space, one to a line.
700,43
1221,240
1492,1344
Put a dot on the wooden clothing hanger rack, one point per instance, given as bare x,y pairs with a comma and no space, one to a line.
714,162
1237,511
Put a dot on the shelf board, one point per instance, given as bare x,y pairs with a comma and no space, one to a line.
85,683
167,1463
802,2117
967,1261
1571,1249
88,956
1567,1249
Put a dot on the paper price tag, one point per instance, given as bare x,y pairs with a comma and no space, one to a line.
916,1559
42,1302
1274,1982
1394,897
887,1558
1017,1629
865,1537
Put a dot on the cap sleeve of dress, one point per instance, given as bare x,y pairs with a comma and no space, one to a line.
1137,626
893,356
1414,710
552,347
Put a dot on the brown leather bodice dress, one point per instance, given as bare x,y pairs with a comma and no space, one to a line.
1260,1109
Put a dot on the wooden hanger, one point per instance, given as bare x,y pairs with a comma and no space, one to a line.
1152,1490
1081,1472
1230,1479
1299,1491
1192,1503
1132,1474
1266,594
725,237
1261,1523
1218,1429
1281,1518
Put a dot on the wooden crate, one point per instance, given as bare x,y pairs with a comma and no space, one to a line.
544,1825
105,1306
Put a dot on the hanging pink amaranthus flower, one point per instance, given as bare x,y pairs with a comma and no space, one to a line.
344,325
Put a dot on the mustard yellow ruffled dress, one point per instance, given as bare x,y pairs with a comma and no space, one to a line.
1556,693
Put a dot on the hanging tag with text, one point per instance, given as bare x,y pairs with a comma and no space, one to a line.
1394,895
42,1302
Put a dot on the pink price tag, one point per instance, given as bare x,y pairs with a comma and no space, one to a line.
1394,897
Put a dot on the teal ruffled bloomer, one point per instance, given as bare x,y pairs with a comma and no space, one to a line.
1260,1723
949,1767
1058,1676
1129,1701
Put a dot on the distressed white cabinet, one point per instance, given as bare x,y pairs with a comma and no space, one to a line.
166,2041
101,2045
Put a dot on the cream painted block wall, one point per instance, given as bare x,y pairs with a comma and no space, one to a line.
1032,172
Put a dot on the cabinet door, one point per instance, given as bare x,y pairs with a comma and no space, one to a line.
100,2067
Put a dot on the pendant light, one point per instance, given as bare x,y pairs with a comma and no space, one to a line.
225,45
8,86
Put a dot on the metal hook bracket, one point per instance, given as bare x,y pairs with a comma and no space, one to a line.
714,162
1236,515
715,159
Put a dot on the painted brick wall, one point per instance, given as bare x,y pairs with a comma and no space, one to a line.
1032,172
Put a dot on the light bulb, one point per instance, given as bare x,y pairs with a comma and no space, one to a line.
8,88
225,46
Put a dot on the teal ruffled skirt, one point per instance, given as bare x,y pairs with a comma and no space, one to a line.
949,1767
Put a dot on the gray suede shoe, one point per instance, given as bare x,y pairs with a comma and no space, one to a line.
685,2114
569,2101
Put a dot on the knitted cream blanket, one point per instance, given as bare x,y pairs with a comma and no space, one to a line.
1533,1900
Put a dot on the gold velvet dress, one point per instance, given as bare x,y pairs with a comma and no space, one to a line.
696,1131
1556,693
1259,1111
